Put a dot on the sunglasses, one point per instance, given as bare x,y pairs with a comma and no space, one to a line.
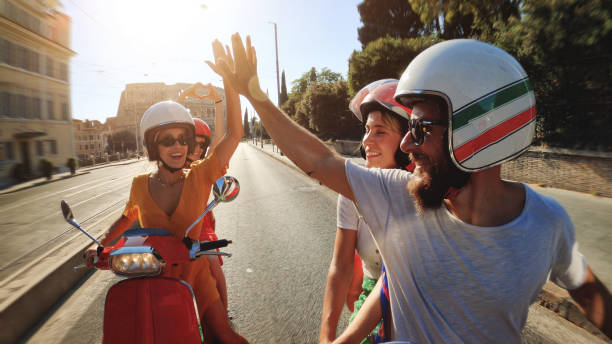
203,145
417,129
169,141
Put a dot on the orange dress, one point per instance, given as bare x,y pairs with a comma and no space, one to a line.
196,189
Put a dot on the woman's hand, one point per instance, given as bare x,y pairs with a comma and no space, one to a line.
239,70
212,93
193,91
90,254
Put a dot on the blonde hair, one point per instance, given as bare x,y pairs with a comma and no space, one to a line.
392,121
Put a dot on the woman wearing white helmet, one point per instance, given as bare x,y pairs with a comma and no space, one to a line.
356,263
171,198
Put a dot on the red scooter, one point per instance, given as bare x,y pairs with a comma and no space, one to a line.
144,307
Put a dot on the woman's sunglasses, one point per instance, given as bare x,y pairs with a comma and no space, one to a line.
417,129
203,145
169,141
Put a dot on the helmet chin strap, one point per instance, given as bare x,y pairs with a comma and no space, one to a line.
171,169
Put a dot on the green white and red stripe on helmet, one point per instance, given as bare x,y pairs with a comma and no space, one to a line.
491,104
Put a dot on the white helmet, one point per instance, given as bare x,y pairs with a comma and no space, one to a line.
163,114
377,95
491,104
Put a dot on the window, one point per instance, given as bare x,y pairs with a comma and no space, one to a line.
13,105
12,54
5,99
63,71
21,105
28,107
34,62
64,111
4,51
50,112
91,146
22,57
52,146
39,148
8,151
36,108
49,67
90,137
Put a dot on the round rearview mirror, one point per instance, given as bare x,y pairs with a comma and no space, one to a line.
67,211
226,189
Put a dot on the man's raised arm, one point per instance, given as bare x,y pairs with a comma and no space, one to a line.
308,152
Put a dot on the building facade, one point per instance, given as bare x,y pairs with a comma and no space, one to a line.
90,139
137,98
35,115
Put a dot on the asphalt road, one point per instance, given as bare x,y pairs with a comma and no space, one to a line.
31,220
283,227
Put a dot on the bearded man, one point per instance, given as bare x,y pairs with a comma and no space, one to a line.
465,252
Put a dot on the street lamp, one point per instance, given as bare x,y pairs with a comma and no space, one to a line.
277,77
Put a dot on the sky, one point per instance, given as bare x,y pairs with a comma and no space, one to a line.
118,42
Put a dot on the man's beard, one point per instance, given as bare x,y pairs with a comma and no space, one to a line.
431,187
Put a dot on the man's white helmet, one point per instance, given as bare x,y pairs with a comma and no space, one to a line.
491,104
159,115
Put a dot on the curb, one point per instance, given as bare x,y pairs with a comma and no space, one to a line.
285,161
23,309
558,300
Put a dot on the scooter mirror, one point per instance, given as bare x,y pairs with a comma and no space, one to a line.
226,189
68,215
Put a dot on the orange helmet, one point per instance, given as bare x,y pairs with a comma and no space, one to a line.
201,128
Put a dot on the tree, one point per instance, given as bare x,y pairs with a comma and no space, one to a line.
384,58
388,18
328,115
245,123
325,75
121,142
464,18
312,75
283,94
565,46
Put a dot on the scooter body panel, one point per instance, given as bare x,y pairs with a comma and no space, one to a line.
151,310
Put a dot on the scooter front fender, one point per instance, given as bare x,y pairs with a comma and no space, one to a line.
151,310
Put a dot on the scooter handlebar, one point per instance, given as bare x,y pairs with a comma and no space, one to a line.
211,245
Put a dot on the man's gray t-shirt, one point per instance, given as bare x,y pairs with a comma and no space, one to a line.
451,282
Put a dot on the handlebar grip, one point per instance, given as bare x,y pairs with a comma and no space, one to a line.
211,245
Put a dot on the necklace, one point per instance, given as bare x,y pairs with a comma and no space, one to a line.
168,184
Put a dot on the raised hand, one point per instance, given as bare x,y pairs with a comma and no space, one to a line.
193,91
212,93
240,71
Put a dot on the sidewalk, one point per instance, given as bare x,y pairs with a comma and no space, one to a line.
7,187
551,298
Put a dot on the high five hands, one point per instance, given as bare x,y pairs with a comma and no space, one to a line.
239,70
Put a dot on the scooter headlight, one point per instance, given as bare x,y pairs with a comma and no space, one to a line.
136,261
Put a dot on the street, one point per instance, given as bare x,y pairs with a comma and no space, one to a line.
32,222
283,227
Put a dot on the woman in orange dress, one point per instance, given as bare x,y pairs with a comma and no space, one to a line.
172,198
